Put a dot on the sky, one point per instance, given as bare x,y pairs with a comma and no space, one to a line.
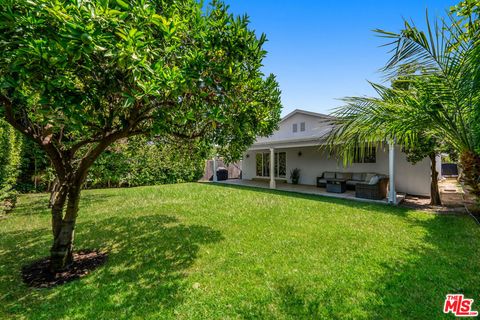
322,51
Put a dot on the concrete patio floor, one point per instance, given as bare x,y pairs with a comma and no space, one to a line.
306,189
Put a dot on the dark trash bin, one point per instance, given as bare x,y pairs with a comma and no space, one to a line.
222,174
449,169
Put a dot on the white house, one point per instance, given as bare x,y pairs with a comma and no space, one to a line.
297,142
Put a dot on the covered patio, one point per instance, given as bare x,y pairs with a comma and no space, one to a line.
307,189
382,172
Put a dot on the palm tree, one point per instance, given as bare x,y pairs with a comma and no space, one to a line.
398,113
436,81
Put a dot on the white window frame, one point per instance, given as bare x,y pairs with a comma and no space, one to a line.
295,127
302,126
276,167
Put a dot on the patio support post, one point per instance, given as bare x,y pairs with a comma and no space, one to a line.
214,163
392,194
272,168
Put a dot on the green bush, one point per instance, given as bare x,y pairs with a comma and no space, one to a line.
35,172
139,162
11,146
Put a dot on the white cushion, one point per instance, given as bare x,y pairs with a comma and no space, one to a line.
374,180
369,176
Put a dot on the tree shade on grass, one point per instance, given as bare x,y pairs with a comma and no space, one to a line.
198,251
77,76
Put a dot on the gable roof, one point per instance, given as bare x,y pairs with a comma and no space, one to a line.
312,137
309,113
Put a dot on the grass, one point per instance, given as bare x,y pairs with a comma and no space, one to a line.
198,251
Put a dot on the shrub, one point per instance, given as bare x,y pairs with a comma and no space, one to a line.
10,144
140,161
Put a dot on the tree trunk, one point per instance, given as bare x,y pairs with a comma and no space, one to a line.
434,192
61,253
470,163
69,185
54,192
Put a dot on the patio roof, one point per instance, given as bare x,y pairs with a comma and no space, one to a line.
288,143
313,138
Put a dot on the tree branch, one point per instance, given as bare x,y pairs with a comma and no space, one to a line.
43,141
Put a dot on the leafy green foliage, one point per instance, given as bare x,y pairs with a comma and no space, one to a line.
36,173
82,71
468,12
435,91
10,146
205,251
423,148
406,115
77,76
295,175
139,162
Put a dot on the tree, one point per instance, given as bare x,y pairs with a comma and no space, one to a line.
449,52
76,76
442,67
468,12
396,115
141,161
423,148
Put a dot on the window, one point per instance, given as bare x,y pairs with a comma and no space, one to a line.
266,165
263,164
259,164
369,155
295,129
302,126
281,168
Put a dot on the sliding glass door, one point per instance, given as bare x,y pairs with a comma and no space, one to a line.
263,164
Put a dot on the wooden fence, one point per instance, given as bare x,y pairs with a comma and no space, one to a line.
234,170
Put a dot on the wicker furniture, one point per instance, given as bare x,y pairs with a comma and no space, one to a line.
376,191
352,179
336,185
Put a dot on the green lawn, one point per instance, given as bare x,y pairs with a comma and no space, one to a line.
198,251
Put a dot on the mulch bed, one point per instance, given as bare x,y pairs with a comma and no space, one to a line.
423,203
38,274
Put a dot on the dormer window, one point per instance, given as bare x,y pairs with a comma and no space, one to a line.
295,127
302,126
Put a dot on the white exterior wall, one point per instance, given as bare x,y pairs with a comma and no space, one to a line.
411,179
313,128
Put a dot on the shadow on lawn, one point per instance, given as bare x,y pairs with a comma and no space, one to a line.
448,262
38,203
144,274
415,288
371,206
411,287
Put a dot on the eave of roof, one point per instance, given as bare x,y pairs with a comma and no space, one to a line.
310,113
288,143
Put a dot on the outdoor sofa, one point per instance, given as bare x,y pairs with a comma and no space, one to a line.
374,191
362,183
